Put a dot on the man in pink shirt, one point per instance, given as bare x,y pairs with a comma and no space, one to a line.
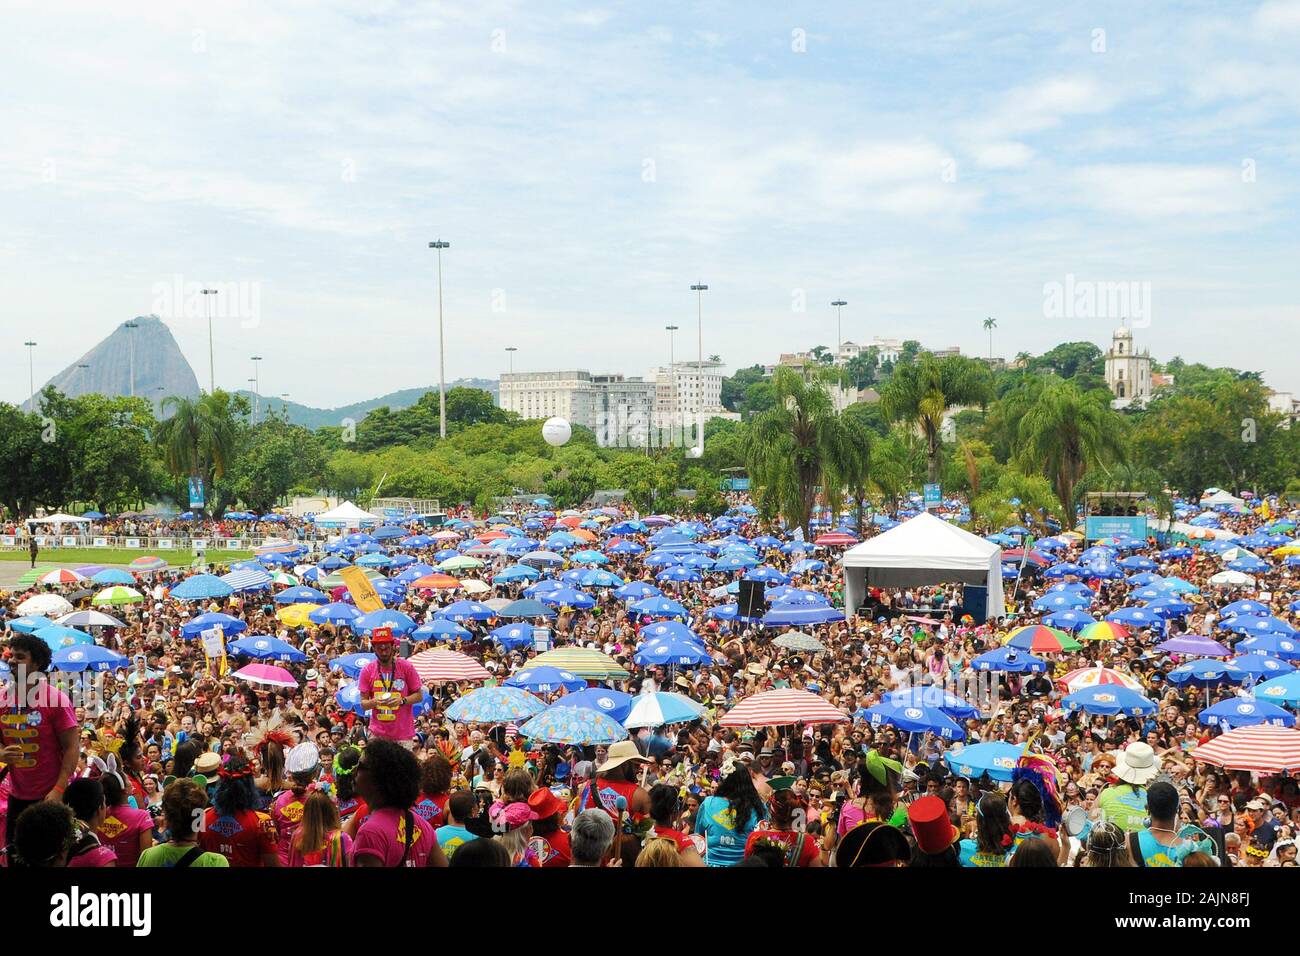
38,730
390,689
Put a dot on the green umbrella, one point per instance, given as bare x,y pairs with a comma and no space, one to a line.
117,596
460,563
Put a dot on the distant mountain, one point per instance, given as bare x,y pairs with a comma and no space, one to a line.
310,417
160,366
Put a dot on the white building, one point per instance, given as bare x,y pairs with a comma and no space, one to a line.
1128,371
685,390
847,352
619,410
887,350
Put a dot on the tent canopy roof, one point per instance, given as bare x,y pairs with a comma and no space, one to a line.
931,549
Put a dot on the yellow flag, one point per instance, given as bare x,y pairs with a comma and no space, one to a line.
1264,511
363,592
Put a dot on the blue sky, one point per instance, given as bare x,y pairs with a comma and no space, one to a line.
933,164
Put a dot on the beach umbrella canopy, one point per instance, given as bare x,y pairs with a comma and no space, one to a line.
492,705
117,595
784,614
465,611
542,559
61,576
113,576
1109,700
586,662
1136,617
660,708
1041,640
1194,645
228,623
296,615
45,605
525,607
671,650
201,587
1169,607
933,697
1103,631
612,703
89,619
513,636
1258,624
1098,676
441,630
438,666
351,664
87,657
29,624
796,641
1232,579
1011,660
1263,749
636,590
973,761
1262,665
516,572
658,606
57,636
1207,673
267,675
914,719
573,725
679,574
1280,690
147,563
1244,712
1062,601
336,612
264,647
1274,645
568,597
384,617
774,708
247,579
1253,608
301,595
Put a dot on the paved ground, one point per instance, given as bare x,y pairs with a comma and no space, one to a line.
11,571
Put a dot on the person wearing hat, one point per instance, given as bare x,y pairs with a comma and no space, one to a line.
782,837
232,825
936,837
1125,804
390,688
872,844
549,842
615,781
302,764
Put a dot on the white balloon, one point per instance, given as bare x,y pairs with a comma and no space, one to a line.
557,431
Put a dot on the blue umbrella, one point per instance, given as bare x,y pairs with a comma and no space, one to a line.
545,679
807,566
1064,568
264,647
247,579
57,636
1009,659
1144,578
1207,673
229,625
679,575
1109,700
796,615
1137,562
599,578
914,719
766,575
660,708
1280,690
441,630
337,612
399,622
1258,625
1062,601
573,725
1275,645
301,595
635,590
29,624
374,561
1136,617
387,531
493,705
569,597
1262,665
671,650
201,587
1069,620
659,607
525,607
612,703
82,657
625,547
1169,607
1244,712
516,572
589,556
351,664
936,698
1249,608
996,759
513,636
466,611
113,576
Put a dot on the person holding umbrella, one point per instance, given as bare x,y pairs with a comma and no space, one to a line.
390,689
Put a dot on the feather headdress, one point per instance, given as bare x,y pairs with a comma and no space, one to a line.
1041,772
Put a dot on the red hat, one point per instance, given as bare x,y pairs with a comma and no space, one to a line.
382,635
933,830
545,803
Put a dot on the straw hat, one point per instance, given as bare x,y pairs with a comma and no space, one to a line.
619,754
1137,764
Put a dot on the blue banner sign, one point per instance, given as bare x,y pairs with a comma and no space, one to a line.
1112,526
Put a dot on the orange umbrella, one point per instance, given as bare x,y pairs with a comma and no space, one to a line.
436,581
491,536
570,522
584,534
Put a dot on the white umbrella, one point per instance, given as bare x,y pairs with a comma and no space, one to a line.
89,619
1232,579
48,605
474,586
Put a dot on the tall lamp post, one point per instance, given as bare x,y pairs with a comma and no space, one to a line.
131,327
212,373
510,351
699,289
257,384
442,368
839,324
31,377
672,385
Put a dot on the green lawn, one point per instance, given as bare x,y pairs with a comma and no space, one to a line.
73,557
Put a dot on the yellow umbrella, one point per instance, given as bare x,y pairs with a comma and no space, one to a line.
295,615
583,661
1286,549
1070,534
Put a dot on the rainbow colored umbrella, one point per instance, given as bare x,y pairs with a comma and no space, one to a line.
148,563
1039,639
1103,631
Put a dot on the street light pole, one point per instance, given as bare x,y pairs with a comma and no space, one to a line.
31,377
672,385
839,324
442,369
257,385
699,289
212,373
511,350
132,326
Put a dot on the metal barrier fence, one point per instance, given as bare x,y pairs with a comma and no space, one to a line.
151,542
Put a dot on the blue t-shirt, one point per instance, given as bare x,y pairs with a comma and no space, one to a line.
724,841
1155,853
451,838
970,855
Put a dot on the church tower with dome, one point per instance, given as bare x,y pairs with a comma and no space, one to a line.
1128,371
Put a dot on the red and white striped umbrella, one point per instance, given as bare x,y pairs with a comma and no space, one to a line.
61,576
266,674
437,666
835,539
774,708
1092,676
1263,748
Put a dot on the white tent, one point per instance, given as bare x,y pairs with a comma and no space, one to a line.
1221,497
346,515
922,551
58,520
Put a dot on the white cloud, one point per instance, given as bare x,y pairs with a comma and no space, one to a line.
1004,155
1143,190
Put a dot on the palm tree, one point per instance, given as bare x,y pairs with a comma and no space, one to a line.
990,324
1063,433
922,392
198,438
796,447
853,465
897,463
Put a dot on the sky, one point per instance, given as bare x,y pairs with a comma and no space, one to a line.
932,164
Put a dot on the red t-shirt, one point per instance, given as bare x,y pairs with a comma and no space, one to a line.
787,838
433,809
683,841
242,839
609,791
552,850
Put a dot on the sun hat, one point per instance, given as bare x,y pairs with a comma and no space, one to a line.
208,764
619,754
933,830
510,816
302,759
545,803
1137,764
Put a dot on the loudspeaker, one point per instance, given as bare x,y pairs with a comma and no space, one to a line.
750,601
975,602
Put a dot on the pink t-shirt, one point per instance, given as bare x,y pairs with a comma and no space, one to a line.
286,811
384,834
121,830
405,681
100,856
39,725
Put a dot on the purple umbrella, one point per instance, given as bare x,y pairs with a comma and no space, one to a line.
1193,644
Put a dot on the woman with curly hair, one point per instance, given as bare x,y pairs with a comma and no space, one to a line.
388,779
233,826
435,787
181,803
133,764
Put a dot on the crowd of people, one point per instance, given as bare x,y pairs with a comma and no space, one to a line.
173,759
